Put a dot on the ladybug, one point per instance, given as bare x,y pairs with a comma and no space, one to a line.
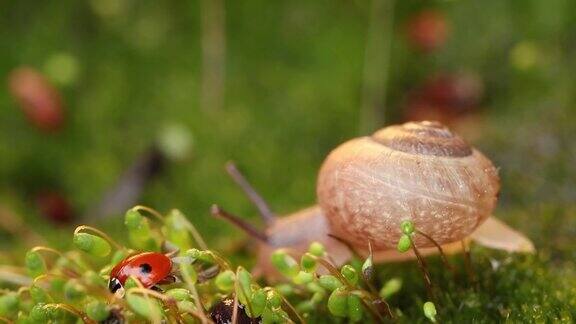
150,268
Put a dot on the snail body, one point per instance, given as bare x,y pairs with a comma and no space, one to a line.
418,171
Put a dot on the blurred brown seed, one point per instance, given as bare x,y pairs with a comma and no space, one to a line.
37,98
427,30
54,207
445,97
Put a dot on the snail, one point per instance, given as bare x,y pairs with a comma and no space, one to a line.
367,186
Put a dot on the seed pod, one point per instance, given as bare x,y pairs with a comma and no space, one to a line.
97,310
303,278
306,306
245,280
284,263
147,308
338,302
274,299
430,311
329,282
34,263
407,227
39,295
139,232
354,308
350,274
316,248
74,291
179,294
257,303
175,230
92,244
391,287
39,313
404,243
285,289
204,256
9,305
318,297
225,280
94,279
308,262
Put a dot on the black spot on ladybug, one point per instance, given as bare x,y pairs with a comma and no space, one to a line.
145,268
222,313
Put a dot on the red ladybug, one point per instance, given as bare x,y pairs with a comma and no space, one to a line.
150,268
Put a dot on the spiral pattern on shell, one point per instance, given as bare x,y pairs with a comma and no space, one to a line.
415,171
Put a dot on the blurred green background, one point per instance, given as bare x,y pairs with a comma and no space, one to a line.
296,81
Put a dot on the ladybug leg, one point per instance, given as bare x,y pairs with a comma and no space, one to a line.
168,280
157,288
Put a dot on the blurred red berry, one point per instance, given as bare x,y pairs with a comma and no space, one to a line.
427,30
54,207
445,97
39,100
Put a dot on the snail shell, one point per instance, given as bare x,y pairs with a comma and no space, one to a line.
415,171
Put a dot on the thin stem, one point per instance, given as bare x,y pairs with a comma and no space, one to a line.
100,233
195,234
192,288
347,244
74,311
291,310
368,304
47,275
468,262
60,254
222,263
263,208
424,269
442,254
216,211
333,270
151,211
235,309
376,65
